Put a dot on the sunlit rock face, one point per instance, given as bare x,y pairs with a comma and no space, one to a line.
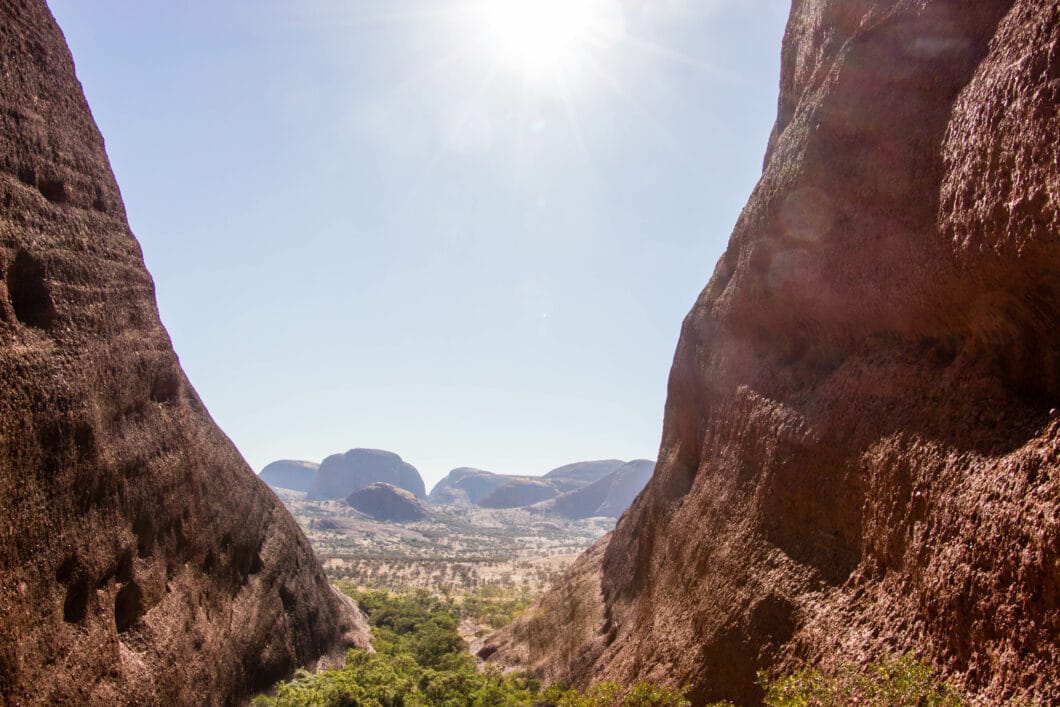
341,474
141,561
860,451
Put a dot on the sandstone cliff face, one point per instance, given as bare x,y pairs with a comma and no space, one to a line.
861,452
141,561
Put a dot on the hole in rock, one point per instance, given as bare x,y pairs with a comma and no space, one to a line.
28,290
144,530
287,599
255,564
53,190
128,606
76,604
209,563
166,388
99,203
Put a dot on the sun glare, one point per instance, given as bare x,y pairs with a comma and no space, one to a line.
549,39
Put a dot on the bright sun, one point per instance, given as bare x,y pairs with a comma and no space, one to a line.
549,39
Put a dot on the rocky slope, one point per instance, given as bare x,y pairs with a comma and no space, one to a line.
290,474
861,450
387,503
141,560
341,474
610,496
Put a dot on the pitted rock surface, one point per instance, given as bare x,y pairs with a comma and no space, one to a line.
141,561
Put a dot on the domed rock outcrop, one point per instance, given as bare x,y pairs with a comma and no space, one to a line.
289,474
861,453
466,487
141,560
475,487
610,496
520,492
341,474
387,503
581,474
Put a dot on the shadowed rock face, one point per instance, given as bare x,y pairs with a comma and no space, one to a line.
141,561
341,474
288,474
860,453
386,502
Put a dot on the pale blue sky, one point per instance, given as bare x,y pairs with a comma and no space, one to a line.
389,224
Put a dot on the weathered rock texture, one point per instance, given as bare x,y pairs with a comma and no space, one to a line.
557,636
141,561
387,503
341,474
860,452
290,474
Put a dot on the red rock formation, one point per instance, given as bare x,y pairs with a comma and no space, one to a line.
141,561
861,452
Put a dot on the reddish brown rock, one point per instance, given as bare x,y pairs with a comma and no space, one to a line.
141,561
861,452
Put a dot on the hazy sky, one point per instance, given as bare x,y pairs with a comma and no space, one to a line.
466,231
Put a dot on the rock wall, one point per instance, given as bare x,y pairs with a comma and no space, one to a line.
861,449
141,561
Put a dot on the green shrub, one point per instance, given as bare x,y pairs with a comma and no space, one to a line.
421,661
896,681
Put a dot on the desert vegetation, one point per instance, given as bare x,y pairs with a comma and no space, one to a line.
900,679
422,660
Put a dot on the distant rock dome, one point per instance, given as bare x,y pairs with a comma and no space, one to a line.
386,502
341,474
